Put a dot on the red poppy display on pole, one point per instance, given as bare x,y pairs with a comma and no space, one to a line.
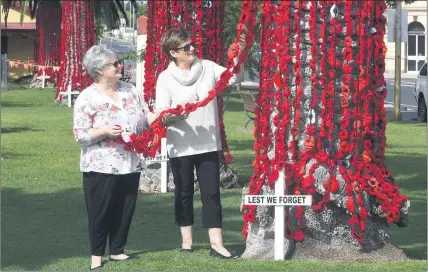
320,105
78,35
203,20
48,38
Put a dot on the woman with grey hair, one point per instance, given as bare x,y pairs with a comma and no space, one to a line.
193,140
105,114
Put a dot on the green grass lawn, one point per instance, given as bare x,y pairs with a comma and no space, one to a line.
44,217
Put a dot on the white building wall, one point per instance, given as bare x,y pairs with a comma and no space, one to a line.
417,11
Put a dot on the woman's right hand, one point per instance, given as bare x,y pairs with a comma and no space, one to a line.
166,117
169,118
113,131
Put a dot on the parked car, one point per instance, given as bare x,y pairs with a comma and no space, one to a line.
421,93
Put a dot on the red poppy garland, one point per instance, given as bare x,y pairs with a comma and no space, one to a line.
204,23
148,143
322,108
354,155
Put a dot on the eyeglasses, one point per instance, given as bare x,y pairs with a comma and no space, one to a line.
187,47
116,64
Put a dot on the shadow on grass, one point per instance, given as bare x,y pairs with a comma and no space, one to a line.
410,173
43,229
413,122
233,106
18,129
16,105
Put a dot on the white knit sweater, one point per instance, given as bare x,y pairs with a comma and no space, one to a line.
199,133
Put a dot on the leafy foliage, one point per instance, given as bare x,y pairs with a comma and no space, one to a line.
231,18
107,10
134,56
392,3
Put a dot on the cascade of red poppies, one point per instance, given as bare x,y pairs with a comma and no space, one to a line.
322,108
48,25
327,109
148,143
78,35
202,20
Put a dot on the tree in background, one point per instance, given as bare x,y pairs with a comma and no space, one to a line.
391,3
231,17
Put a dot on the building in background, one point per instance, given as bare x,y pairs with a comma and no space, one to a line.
413,52
17,40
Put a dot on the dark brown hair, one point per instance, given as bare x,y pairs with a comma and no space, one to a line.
172,39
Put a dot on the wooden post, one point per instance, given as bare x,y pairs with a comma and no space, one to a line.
279,218
397,87
69,95
279,200
3,71
164,165
43,77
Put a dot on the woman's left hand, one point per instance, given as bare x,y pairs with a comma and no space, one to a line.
242,42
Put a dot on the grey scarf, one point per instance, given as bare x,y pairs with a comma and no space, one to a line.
184,77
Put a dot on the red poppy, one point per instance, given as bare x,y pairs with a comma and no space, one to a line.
348,41
350,205
298,236
279,81
249,217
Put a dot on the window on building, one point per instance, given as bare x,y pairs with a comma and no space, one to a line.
416,26
415,46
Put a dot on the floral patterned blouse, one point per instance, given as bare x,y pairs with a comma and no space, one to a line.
95,109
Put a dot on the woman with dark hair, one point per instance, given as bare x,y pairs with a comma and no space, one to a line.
193,140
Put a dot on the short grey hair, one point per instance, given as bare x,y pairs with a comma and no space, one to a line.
96,58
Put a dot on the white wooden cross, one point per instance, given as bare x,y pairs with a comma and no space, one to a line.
279,200
279,219
164,172
43,77
69,93
163,159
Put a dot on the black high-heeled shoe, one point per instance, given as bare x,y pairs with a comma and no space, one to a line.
214,253
95,268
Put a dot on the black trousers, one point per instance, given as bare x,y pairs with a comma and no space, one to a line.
110,202
208,173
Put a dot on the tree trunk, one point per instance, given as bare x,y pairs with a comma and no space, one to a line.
48,20
323,124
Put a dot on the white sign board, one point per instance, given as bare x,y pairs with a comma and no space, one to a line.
284,200
391,25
